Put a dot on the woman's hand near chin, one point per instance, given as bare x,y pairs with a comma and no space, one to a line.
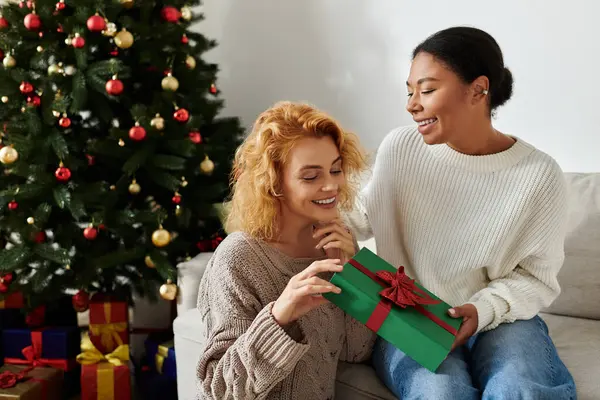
336,239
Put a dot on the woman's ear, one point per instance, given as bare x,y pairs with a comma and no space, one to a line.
480,88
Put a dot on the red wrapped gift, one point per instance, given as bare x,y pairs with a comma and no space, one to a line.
29,383
108,322
12,300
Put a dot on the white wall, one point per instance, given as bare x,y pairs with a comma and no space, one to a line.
351,57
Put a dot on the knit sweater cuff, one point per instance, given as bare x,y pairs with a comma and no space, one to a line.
272,343
485,314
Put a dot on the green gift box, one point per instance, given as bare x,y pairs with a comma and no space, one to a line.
396,308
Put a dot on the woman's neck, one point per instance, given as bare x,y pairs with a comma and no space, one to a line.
295,238
480,139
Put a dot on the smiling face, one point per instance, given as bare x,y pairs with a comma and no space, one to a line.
312,179
438,100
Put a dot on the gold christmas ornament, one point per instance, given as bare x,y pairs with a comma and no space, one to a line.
5,99
9,61
149,262
56,114
178,210
124,39
30,220
207,166
8,155
161,237
127,3
39,49
134,187
170,83
69,41
168,291
190,62
121,142
158,122
68,267
186,13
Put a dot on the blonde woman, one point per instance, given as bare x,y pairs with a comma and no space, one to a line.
269,333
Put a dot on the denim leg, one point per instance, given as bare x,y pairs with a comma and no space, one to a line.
519,361
408,380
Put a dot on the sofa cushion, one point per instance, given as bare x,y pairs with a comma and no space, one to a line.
580,275
189,274
188,347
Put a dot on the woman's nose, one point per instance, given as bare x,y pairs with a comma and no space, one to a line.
413,105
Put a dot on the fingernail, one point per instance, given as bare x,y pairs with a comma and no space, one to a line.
338,290
452,311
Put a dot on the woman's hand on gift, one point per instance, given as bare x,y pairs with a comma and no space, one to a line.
336,240
303,292
468,327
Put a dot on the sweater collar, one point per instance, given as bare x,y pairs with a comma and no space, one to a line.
484,163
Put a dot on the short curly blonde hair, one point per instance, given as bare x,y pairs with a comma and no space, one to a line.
256,172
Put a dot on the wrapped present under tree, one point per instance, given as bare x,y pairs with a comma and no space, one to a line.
108,322
397,308
30,383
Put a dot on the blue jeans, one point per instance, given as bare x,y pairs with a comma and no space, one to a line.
514,361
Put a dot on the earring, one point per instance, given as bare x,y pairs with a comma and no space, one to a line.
485,91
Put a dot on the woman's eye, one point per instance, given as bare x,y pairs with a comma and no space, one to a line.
336,172
309,178
409,94
428,91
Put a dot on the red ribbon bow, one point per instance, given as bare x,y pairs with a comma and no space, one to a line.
33,356
402,290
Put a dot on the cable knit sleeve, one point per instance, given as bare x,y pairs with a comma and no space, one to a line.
532,284
246,352
358,343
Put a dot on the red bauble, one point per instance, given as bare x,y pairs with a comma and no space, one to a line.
64,122
60,6
213,88
35,101
204,245
60,29
90,233
40,237
195,137
216,241
13,205
137,133
170,14
32,22
8,278
81,301
26,87
78,42
3,287
29,3
176,199
91,159
63,174
3,23
184,39
181,115
114,52
114,87
36,317
96,23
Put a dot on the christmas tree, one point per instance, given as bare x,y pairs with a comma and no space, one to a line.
114,154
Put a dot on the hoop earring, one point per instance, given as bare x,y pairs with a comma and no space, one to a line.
485,91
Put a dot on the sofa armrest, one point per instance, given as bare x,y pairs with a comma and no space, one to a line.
189,274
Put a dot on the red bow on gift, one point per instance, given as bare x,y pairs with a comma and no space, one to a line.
33,356
402,290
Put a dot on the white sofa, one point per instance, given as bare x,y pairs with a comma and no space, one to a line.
573,319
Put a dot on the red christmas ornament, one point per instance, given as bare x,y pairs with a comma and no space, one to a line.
60,29
29,4
81,301
96,23
91,159
26,87
64,122
13,205
213,88
176,199
3,287
32,22
35,101
216,241
40,237
41,34
170,14
3,23
137,133
114,87
204,245
63,174
78,42
184,39
114,53
181,115
8,278
21,4
60,5
90,233
36,317
195,137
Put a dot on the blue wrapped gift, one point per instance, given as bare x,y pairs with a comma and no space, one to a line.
161,356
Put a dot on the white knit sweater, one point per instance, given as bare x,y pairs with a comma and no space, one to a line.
487,230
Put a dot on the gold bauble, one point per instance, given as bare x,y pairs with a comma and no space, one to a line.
168,291
149,262
39,49
5,99
190,62
186,13
134,187
30,220
127,3
158,122
9,61
170,83
8,155
207,166
124,39
69,41
161,237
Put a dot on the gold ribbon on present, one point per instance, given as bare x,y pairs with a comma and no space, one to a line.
108,331
162,354
91,355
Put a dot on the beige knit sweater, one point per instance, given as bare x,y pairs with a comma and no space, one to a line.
247,355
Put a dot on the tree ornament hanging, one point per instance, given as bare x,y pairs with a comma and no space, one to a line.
13,205
157,122
64,121
90,233
54,69
186,13
207,166
124,39
195,137
32,21
149,263
8,278
70,70
8,155
213,88
40,237
81,301
168,291
185,39
26,87
170,83
78,41
137,132
30,220
3,23
60,5
96,23
5,99
170,14
161,237
176,198
9,61
110,30
34,100
181,115
62,173
190,62
114,87
134,187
